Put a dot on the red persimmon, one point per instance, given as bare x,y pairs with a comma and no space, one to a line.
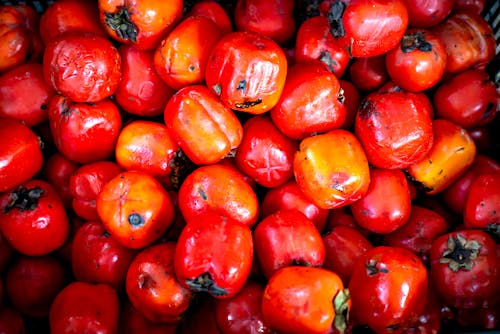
133,322
153,288
427,13
21,156
11,320
368,73
214,254
482,204
84,132
214,11
82,66
58,170
33,218
265,154
85,308
14,38
247,71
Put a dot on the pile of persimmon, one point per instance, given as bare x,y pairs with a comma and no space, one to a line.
249,166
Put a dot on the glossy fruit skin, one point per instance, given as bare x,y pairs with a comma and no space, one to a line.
427,13
142,24
243,312
221,189
141,90
469,281
69,15
482,204
292,304
86,183
288,196
469,41
84,132
344,245
368,73
97,258
247,71
57,170
406,141
273,19
350,97
309,102
152,286
214,11
204,128
82,66
214,254
419,231
135,209
455,195
181,57
315,43
396,281
32,283
14,38
331,169
452,152
386,205
418,62
265,154
85,308
33,218
24,94
367,27
287,238
20,157
146,146
468,99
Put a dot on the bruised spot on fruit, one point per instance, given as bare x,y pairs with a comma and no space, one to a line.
121,23
372,268
202,194
135,219
24,199
327,59
205,283
217,89
242,85
367,109
248,104
415,41
145,281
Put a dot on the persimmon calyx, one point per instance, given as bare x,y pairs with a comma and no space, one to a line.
121,23
341,307
460,253
205,283
24,199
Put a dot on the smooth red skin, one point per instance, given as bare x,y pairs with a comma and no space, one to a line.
343,247
21,156
475,6
417,70
396,297
418,233
141,90
152,287
214,11
231,163
371,27
221,189
153,19
66,249
469,99
39,231
32,283
205,129
350,97
133,322
84,132
368,74
85,308
455,195
14,38
386,205
202,318
426,13
315,43
430,319
482,204
308,103
11,320
251,57
342,217
97,258
469,41
286,238
57,170
219,246
391,86
86,183
31,24
483,138
69,15
406,141
265,154
288,196
272,19
242,313
84,67
24,94
478,287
